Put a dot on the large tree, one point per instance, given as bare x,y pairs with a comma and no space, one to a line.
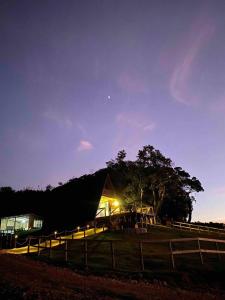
152,179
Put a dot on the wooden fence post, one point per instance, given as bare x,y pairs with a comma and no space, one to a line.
85,254
28,246
11,240
217,248
39,240
171,252
141,256
200,252
66,250
50,248
112,255
15,240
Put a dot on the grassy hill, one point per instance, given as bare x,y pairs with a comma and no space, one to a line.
23,278
188,272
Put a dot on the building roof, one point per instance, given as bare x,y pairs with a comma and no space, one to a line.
66,206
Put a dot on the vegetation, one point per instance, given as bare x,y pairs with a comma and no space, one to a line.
151,179
189,272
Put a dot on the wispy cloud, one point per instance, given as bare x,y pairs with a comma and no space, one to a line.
199,35
135,121
60,118
85,146
134,130
218,105
82,128
131,82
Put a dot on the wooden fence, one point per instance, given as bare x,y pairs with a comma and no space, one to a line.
212,246
198,228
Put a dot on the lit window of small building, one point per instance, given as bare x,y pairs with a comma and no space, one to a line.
11,224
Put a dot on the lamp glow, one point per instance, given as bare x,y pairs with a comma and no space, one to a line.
116,203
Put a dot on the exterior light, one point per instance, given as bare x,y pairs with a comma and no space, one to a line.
78,228
88,226
55,232
116,203
16,236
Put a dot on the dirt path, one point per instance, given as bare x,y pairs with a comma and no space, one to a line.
24,278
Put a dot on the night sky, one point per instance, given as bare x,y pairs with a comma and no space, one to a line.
81,80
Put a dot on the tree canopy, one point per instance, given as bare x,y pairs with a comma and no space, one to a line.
152,179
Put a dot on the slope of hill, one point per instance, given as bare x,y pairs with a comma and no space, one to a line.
23,278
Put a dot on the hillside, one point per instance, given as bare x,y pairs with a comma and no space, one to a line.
23,278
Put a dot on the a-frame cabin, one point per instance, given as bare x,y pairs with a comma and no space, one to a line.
109,203
111,209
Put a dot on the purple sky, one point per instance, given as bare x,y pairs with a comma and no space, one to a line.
81,80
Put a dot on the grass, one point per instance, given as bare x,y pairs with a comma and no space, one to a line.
188,272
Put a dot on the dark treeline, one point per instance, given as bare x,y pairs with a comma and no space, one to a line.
152,179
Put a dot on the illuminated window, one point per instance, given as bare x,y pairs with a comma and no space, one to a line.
37,223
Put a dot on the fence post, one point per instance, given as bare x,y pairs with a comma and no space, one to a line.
85,254
84,233
171,252
66,250
141,256
39,240
112,255
28,246
200,252
50,248
11,240
15,240
217,248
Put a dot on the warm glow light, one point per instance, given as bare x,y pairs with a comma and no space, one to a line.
116,203
55,232
16,236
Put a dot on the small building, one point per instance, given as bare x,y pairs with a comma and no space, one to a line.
109,203
11,224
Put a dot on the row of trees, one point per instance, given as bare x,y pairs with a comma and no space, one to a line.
153,179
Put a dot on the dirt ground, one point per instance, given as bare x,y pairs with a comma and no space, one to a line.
24,278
